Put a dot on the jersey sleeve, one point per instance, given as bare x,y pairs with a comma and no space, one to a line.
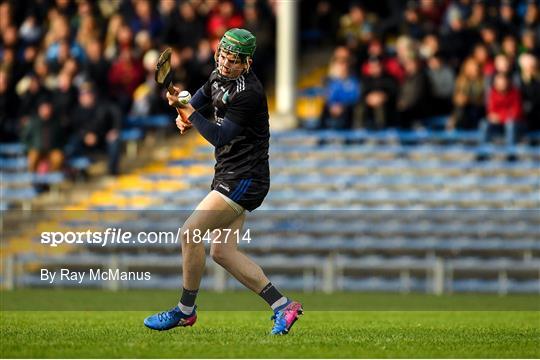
243,106
200,100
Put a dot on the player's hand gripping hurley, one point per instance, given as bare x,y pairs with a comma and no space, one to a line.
163,77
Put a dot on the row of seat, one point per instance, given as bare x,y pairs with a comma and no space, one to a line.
13,162
18,184
427,250
378,148
388,135
167,264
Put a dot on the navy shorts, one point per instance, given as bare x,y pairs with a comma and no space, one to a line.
248,193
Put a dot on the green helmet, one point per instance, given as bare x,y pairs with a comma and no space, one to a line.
238,41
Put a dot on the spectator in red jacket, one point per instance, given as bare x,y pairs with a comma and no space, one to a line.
391,65
125,74
504,112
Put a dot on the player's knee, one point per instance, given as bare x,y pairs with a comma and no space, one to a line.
219,254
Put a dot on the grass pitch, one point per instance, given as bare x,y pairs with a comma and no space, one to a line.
223,334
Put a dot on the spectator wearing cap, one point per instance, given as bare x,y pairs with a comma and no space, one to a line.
378,103
95,127
43,137
504,113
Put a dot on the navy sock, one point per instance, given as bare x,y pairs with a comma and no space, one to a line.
188,297
272,296
187,301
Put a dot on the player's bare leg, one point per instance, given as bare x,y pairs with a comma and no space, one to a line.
211,213
225,252
245,270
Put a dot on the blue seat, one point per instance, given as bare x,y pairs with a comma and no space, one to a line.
534,135
312,91
12,149
80,163
19,194
383,135
153,121
13,164
527,286
474,285
132,134
16,178
49,178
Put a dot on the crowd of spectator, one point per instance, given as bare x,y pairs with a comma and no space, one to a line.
72,70
397,64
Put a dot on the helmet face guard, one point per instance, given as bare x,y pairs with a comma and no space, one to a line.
239,43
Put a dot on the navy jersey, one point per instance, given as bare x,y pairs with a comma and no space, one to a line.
242,101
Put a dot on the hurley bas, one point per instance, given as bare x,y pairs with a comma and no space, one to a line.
66,275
